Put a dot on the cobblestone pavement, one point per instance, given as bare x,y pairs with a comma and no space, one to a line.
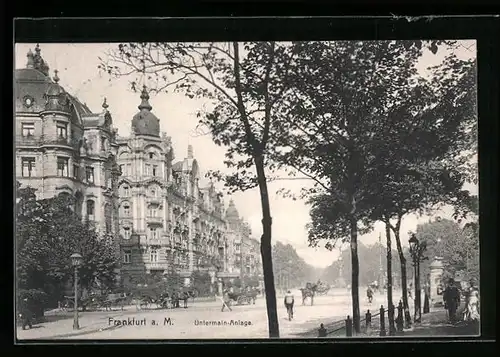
245,321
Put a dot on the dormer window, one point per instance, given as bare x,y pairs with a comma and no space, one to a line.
62,130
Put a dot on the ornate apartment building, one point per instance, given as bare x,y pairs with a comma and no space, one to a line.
62,147
168,222
160,216
244,250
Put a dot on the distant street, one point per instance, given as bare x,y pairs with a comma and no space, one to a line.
245,321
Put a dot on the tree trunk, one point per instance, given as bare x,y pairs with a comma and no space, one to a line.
404,285
355,276
390,304
266,250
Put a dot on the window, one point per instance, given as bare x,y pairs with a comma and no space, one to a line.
147,170
103,143
153,233
153,212
28,166
76,171
126,232
89,174
151,155
153,192
126,209
127,256
28,129
62,130
122,169
126,191
62,166
153,256
90,210
155,170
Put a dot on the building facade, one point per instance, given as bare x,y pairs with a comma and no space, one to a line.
246,259
62,147
169,223
162,219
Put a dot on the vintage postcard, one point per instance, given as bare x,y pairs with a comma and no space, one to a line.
246,190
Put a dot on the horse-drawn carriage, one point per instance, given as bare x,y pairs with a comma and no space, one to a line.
322,288
152,298
97,301
313,289
244,296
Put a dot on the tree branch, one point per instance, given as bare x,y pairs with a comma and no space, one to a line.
267,102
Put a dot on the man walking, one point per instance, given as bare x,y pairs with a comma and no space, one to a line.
289,301
451,298
226,301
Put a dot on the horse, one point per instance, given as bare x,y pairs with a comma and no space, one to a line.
308,292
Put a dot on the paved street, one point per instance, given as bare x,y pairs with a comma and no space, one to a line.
245,321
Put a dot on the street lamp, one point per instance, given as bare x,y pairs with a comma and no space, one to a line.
76,261
417,250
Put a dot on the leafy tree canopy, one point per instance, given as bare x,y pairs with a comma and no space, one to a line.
48,232
459,247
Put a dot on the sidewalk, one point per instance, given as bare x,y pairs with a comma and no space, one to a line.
63,326
435,324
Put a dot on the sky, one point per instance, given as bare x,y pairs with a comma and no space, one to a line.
79,75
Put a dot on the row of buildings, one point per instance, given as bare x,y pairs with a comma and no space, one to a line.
155,209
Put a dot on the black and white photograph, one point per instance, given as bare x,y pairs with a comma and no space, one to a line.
246,190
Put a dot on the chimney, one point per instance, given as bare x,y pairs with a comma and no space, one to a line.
190,151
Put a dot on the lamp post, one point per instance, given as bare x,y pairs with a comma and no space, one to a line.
417,250
76,261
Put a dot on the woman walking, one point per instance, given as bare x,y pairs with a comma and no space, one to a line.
471,312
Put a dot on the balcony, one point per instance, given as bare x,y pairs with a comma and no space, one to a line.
156,265
154,200
154,220
60,141
133,240
30,141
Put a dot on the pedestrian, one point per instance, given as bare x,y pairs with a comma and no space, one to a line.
451,298
369,294
25,314
226,301
289,301
321,331
471,312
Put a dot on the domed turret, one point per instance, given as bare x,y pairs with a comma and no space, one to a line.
56,98
145,122
232,214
